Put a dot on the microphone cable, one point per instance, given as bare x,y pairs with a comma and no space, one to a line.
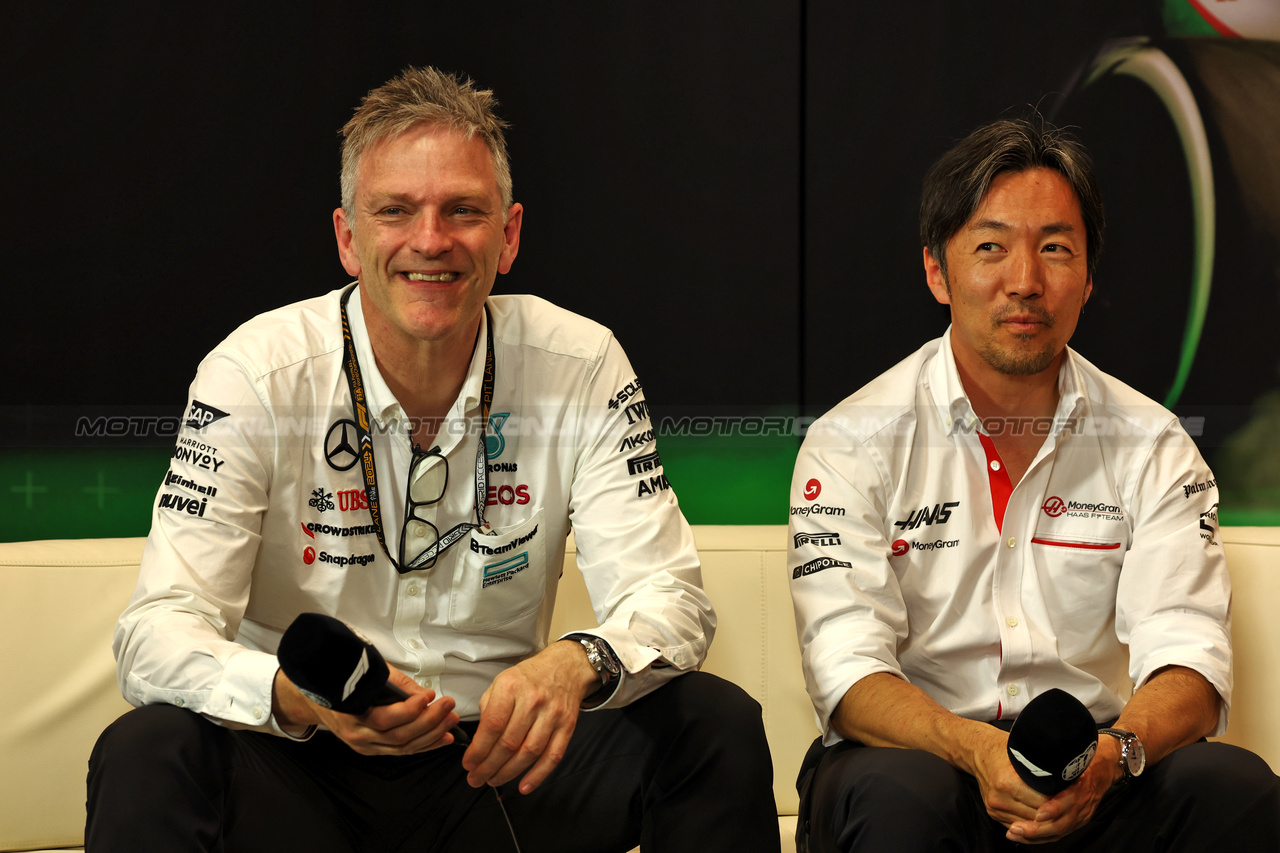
497,795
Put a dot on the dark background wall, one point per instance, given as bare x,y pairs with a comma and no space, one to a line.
732,188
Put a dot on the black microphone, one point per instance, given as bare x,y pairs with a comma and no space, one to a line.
1052,741
338,669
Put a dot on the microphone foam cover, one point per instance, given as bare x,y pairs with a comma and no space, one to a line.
331,664
1052,741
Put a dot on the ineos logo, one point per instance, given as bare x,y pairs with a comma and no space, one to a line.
339,452
812,489
1054,507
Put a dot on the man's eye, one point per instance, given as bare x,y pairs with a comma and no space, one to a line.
392,211
988,247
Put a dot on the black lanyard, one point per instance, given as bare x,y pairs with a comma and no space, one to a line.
351,366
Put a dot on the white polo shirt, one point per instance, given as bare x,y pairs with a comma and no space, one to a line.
264,515
912,554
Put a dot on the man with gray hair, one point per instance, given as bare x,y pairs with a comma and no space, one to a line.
405,455
1000,521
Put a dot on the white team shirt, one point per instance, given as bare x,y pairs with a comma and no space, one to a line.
264,515
911,554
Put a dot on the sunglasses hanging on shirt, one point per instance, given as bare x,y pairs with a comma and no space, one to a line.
420,540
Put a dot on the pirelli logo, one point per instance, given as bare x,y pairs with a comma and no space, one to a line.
640,464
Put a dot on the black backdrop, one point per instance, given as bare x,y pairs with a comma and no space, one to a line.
731,187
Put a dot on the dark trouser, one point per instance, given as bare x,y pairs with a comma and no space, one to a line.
1203,798
685,768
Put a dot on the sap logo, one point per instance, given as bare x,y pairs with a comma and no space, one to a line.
812,489
637,411
507,495
201,415
817,539
350,500
638,440
818,565
647,462
653,486
939,514
190,506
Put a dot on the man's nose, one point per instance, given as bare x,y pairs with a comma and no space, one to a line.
430,234
1027,277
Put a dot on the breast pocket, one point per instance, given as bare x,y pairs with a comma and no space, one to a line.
1079,574
500,579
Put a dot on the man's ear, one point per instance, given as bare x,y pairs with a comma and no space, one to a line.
510,237
346,249
936,279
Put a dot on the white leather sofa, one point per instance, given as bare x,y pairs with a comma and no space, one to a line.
60,600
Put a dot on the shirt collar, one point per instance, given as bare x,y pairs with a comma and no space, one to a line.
953,403
383,405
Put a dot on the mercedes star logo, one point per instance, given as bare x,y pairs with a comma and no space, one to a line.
339,452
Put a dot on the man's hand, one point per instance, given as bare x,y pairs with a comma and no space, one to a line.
528,715
1006,797
1074,806
417,724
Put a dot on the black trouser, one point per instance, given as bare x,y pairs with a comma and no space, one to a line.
685,768
1203,798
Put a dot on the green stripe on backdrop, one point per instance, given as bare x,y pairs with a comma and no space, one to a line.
70,494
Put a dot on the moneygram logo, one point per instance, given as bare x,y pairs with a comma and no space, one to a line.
816,509
812,489
901,547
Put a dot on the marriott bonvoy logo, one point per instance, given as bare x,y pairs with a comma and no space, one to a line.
1056,506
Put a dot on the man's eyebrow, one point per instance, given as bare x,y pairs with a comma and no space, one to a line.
997,225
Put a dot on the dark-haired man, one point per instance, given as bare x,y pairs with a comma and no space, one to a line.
1001,518
405,454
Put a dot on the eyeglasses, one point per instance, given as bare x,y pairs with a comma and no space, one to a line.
428,478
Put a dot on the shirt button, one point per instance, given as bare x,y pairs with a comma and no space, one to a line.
418,530
995,464
1012,621
1011,542
1013,690
412,589
258,713
179,702
414,644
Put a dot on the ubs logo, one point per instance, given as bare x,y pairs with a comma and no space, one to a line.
339,451
1054,507
812,489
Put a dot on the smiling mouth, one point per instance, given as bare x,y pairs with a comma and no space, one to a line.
439,276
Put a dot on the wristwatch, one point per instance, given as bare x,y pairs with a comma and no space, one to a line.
601,658
1133,755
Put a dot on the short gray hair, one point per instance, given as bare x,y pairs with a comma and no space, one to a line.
424,96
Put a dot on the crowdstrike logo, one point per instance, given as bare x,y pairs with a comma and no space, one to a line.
812,489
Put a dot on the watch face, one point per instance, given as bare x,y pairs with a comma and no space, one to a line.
1136,757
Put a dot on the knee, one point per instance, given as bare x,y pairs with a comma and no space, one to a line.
714,717
902,797
145,735
1230,777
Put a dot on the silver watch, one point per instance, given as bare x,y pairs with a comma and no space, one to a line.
601,658
1133,755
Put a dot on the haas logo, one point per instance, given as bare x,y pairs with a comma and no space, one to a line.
1054,507
812,489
